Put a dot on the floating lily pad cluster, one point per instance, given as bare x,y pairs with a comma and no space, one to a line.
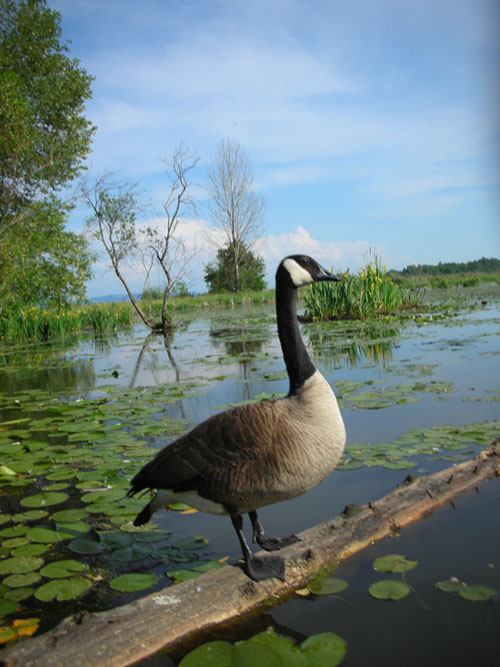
377,394
391,589
27,570
65,466
368,394
441,442
396,589
268,648
471,592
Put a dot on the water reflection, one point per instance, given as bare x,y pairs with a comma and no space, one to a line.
153,363
49,366
353,344
241,337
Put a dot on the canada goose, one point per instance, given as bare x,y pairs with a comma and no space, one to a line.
257,454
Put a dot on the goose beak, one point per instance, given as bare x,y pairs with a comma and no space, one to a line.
326,275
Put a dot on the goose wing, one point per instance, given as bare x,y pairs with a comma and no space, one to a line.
218,453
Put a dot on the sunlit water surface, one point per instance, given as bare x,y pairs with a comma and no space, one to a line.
233,356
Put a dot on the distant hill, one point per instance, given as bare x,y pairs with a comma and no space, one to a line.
111,297
482,265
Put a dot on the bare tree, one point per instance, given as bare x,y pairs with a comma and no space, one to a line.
234,207
163,244
114,208
112,222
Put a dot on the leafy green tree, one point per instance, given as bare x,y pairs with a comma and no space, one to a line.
51,264
220,276
44,139
491,265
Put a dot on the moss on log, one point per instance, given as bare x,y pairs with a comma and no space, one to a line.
168,619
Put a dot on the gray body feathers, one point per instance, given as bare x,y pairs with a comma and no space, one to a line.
255,454
260,453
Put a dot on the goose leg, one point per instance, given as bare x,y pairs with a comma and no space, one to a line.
269,543
258,568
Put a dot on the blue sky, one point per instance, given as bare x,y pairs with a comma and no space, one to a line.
368,123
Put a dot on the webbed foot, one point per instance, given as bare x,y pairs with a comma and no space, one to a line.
259,568
274,543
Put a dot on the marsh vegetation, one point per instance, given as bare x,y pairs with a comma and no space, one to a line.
78,417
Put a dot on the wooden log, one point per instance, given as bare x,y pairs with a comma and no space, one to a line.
167,619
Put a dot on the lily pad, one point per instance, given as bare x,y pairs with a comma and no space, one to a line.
22,580
7,606
30,550
191,543
44,499
73,528
105,496
62,589
88,544
14,542
30,515
20,564
152,535
116,539
63,474
393,563
212,654
25,627
179,507
47,535
182,575
175,555
269,649
451,585
67,516
62,568
477,593
389,590
7,634
324,650
131,582
14,531
327,585
132,552
18,594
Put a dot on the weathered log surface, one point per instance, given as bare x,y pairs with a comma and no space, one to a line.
168,618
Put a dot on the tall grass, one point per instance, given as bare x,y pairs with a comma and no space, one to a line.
42,323
36,324
369,293
210,300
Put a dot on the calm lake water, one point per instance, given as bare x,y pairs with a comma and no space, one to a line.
392,378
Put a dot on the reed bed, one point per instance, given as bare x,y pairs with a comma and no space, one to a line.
370,293
211,300
42,323
36,323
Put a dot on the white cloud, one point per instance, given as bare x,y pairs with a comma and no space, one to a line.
382,111
336,254
201,243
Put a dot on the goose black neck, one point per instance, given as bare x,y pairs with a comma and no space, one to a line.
298,363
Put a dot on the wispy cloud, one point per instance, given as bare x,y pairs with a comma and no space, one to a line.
381,111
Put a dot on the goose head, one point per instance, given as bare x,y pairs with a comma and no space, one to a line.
302,270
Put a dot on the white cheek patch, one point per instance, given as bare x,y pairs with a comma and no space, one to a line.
299,276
